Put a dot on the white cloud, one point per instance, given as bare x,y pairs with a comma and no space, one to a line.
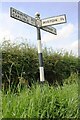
13,30
63,33
5,34
5,27
75,45
65,39
66,30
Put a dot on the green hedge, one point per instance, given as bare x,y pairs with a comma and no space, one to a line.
22,61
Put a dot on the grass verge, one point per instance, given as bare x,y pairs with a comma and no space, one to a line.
42,101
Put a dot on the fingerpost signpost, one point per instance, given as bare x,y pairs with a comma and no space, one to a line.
44,24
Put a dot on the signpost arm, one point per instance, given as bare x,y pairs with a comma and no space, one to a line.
41,68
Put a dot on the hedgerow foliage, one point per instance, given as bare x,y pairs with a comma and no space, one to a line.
22,61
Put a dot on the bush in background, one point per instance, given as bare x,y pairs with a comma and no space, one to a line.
21,61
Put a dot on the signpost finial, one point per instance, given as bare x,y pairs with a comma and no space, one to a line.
37,15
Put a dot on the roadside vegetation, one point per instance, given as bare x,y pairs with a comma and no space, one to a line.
23,96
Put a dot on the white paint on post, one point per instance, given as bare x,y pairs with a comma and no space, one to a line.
39,46
42,74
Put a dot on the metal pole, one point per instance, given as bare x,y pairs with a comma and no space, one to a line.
41,68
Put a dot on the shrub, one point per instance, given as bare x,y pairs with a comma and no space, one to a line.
22,61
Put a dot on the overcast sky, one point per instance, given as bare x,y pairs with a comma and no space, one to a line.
17,31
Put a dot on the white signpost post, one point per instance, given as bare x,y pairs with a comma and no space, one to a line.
44,24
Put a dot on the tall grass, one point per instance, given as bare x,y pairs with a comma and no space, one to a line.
42,101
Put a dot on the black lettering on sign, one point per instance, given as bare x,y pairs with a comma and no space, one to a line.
32,20
16,15
62,19
53,20
44,22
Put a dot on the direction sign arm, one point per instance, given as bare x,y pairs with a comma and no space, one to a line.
16,14
50,30
54,20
